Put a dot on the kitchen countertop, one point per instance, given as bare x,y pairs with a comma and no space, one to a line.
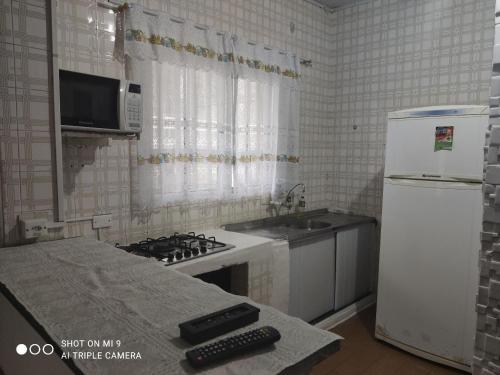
241,242
267,261
85,289
272,227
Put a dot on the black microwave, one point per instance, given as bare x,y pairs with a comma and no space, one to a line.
99,104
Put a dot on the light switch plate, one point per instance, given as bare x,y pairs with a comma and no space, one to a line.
102,221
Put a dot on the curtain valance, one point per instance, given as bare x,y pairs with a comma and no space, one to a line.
162,38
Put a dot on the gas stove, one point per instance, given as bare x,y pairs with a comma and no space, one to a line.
177,248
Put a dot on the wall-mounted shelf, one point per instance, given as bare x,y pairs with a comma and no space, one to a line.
88,134
92,138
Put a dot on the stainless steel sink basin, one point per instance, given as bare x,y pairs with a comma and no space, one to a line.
298,226
290,227
308,224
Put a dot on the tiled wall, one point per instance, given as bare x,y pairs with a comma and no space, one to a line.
394,54
26,170
486,358
97,177
368,59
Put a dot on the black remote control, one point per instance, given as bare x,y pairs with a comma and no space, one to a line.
232,346
217,323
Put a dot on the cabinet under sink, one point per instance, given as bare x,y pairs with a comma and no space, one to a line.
331,271
332,258
354,264
312,277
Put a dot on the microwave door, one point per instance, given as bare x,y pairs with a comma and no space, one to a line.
89,102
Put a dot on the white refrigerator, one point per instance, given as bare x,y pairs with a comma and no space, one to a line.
430,232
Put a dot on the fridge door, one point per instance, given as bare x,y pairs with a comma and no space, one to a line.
424,146
428,270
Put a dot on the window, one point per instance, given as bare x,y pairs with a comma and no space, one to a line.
220,114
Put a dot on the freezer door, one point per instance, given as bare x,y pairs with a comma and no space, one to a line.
417,146
428,270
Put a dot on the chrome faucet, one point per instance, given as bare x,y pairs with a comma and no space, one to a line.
289,199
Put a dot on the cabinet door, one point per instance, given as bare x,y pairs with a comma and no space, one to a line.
312,277
354,260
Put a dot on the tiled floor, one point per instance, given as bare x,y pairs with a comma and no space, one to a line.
362,354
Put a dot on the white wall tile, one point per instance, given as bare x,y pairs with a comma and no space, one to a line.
36,191
35,151
32,109
6,21
393,55
31,68
7,66
26,164
29,24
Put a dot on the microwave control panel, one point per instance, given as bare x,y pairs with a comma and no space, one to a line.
132,101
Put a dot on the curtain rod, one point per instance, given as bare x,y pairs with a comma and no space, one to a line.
114,4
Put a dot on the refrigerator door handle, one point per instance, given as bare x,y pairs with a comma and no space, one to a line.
433,183
434,177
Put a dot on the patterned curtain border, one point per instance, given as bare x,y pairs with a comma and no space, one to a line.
166,157
136,35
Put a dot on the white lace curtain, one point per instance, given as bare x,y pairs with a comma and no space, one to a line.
220,115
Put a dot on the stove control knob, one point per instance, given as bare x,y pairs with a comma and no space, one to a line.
170,257
195,251
178,255
203,249
187,253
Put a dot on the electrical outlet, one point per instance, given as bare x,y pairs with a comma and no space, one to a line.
33,228
102,221
55,231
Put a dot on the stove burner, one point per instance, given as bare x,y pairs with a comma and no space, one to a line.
176,248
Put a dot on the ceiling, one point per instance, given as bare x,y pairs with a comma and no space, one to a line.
335,3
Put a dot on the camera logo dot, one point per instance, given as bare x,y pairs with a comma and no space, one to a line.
21,349
34,349
47,349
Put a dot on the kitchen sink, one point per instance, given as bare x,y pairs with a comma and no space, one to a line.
308,224
290,227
